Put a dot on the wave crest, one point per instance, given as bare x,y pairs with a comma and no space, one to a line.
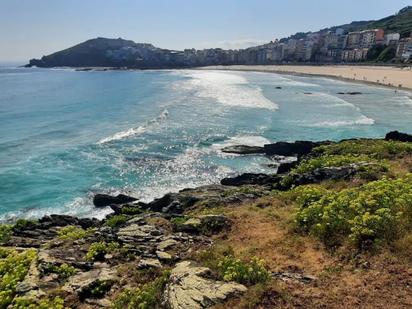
136,130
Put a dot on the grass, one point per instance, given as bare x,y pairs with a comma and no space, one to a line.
374,149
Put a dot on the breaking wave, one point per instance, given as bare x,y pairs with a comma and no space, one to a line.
230,89
136,130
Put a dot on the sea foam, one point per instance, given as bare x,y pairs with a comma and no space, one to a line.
136,130
230,89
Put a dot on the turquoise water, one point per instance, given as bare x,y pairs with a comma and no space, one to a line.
65,135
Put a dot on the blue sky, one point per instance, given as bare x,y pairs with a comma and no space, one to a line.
32,28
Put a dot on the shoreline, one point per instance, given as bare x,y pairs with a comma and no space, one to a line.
337,72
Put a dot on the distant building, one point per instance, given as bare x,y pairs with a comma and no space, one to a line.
392,38
353,40
368,38
404,49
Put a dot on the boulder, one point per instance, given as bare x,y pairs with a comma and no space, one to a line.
149,263
298,148
398,136
190,288
252,179
285,167
243,149
102,200
205,224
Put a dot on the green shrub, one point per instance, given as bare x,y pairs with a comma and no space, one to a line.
129,210
179,220
13,269
379,211
377,149
145,297
72,232
97,250
243,189
250,273
116,221
26,303
97,289
23,223
5,232
64,270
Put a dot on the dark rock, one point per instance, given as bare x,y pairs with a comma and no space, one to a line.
298,148
162,203
285,167
350,93
63,220
398,136
326,173
252,179
243,149
101,200
136,206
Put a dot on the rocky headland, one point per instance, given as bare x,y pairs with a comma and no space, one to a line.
332,226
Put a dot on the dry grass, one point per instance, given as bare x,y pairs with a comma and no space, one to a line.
265,229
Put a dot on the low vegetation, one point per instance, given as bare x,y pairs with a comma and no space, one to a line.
45,303
379,211
73,232
14,266
253,272
64,270
116,221
146,296
98,250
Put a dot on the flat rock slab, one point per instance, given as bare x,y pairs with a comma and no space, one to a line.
189,288
83,280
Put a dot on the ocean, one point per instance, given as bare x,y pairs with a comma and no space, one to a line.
66,135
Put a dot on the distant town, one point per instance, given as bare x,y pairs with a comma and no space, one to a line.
322,47
388,40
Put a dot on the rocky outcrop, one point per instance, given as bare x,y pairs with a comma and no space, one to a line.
243,149
295,149
190,288
398,136
326,173
102,200
252,179
205,224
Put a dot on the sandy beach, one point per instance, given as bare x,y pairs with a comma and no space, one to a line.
381,75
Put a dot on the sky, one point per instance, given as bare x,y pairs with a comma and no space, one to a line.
33,28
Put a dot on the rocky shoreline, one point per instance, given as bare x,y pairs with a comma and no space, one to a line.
155,238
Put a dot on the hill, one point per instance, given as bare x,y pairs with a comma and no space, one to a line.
400,23
105,52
